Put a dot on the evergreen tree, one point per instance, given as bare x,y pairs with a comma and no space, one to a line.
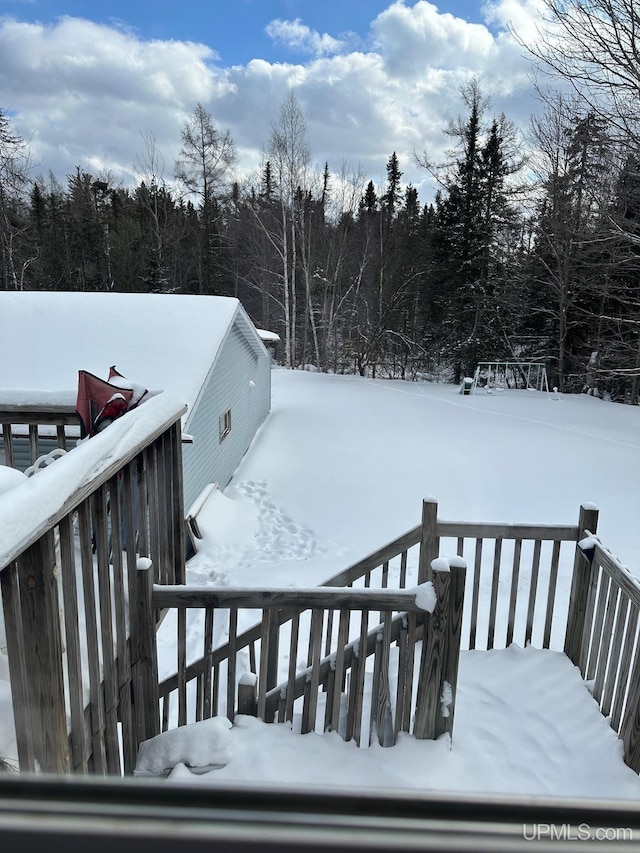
473,237
567,266
392,198
47,207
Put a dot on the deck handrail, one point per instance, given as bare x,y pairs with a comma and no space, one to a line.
452,529
330,659
51,496
604,640
427,536
376,559
72,536
38,413
493,530
334,598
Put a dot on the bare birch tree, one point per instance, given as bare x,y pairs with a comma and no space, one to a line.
14,164
290,159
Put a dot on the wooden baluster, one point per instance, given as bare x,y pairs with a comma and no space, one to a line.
625,666
382,697
475,596
582,581
293,659
207,710
495,581
360,670
403,570
339,673
533,588
231,665
182,665
98,755
551,594
515,574
310,706
24,710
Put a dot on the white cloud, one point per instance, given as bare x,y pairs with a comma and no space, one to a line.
82,93
301,38
85,94
522,16
413,38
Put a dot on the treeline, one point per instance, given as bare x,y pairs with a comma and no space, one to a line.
532,258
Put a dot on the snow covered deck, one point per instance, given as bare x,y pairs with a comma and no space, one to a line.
526,724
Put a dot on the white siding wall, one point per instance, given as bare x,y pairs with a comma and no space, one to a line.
239,363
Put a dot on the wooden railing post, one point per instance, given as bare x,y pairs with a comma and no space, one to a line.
17,668
42,648
581,581
429,544
248,694
437,684
176,509
144,660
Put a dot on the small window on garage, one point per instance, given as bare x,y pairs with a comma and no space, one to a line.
225,424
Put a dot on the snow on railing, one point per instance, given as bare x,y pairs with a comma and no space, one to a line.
67,538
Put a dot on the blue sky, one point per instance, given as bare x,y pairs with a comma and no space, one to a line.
89,84
236,28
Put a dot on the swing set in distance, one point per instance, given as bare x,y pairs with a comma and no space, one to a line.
501,375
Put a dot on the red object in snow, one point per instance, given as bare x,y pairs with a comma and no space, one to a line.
113,408
99,403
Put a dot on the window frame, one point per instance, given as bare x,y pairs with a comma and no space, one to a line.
224,425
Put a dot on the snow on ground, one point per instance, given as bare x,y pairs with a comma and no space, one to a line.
342,464
339,468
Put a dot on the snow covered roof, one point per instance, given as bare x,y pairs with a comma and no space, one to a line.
267,336
166,342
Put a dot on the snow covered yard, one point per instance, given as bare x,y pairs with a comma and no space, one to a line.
342,464
341,467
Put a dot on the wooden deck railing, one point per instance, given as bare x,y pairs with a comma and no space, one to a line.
517,589
81,692
70,536
334,691
38,428
501,559
603,640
